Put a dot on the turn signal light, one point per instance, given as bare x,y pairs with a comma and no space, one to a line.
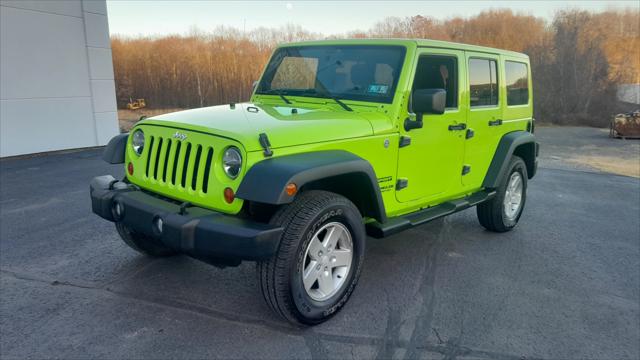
130,169
291,189
229,195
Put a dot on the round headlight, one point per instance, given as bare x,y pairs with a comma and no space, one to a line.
232,162
138,141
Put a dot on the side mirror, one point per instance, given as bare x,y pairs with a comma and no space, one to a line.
425,101
429,101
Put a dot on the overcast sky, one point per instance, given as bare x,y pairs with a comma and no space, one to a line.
326,17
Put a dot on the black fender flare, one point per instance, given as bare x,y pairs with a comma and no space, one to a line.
520,143
114,152
333,170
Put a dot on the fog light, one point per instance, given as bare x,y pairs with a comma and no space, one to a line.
229,195
117,210
157,225
130,169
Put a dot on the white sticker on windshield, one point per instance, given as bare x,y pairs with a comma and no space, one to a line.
378,89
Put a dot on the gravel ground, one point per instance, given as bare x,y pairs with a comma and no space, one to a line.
590,149
565,284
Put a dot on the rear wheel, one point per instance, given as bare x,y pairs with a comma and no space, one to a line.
502,213
142,243
319,259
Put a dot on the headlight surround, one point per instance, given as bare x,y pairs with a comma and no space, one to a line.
232,162
137,142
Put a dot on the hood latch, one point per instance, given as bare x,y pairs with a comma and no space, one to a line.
266,145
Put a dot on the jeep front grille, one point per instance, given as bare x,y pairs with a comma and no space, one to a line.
184,165
179,163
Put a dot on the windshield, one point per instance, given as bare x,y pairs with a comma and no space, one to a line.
352,72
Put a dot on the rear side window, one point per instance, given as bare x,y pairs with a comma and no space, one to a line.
517,78
483,82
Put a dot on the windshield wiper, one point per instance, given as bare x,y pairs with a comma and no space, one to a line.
279,93
325,93
283,98
339,102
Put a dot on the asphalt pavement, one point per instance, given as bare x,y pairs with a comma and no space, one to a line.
565,284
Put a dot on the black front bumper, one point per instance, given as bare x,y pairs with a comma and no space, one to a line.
204,234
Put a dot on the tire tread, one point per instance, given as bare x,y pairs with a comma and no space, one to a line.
273,274
490,212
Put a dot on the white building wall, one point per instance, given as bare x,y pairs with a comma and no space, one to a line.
57,89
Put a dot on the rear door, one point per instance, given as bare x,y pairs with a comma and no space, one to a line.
431,162
484,116
518,109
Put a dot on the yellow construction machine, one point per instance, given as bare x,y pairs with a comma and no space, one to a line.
137,104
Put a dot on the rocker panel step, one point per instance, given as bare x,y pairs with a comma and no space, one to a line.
403,222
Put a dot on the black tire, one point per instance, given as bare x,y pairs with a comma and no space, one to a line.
142,243
491,214
280,277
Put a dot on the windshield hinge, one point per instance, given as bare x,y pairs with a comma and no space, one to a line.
404,141
266,145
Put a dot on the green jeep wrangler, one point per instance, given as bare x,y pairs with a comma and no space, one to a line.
340,140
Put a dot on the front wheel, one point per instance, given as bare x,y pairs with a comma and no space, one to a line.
502,213
319,259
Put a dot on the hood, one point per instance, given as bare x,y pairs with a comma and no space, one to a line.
283,125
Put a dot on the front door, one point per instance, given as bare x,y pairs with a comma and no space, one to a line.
429,167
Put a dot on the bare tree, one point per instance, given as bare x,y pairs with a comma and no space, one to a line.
577,60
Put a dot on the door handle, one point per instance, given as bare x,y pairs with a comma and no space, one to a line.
457,127
495,122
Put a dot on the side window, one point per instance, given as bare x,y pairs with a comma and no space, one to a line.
517,78
483,82
438,72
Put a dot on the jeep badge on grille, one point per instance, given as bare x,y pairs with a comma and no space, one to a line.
180,136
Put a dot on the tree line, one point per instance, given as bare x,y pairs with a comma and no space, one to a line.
578,59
